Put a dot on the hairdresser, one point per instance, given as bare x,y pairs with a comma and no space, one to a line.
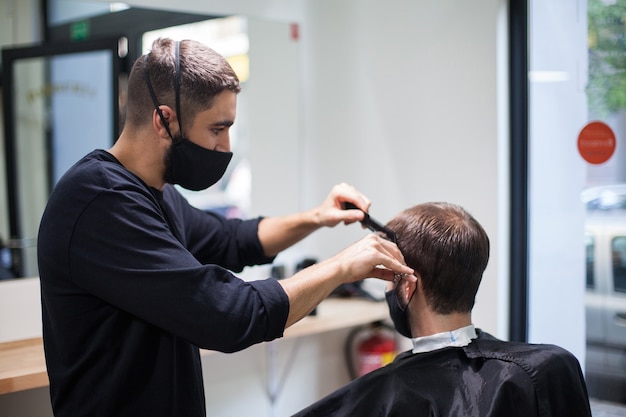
134,280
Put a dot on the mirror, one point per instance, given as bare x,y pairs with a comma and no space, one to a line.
61,104
41,155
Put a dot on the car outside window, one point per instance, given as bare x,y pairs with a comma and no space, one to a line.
589,250
618,251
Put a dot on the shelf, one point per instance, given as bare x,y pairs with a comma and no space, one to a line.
338,313
23,367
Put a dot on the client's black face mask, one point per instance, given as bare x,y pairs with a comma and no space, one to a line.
398,314
193,167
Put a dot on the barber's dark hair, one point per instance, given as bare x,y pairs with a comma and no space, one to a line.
203,75
448,248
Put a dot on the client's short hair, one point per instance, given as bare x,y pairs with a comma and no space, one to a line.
448,248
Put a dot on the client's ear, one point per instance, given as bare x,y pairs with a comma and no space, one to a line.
410,287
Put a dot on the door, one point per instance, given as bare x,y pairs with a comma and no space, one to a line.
60,102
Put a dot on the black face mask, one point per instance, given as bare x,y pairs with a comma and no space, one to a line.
398,314
193,167
189,165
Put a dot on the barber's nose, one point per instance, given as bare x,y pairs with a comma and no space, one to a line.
224,143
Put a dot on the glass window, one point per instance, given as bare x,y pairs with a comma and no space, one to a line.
589,261
605,195
618,252
577,110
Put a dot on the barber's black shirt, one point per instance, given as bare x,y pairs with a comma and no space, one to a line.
133,281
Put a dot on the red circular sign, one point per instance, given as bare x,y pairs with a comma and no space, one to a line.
596,142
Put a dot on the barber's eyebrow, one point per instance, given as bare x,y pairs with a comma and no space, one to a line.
224,123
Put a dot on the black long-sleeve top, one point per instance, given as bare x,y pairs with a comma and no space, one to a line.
133,281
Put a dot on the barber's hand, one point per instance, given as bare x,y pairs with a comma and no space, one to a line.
331,211
372,257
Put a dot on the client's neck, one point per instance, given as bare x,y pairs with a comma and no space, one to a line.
428,323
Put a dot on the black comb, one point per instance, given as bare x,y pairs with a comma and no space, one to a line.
371,224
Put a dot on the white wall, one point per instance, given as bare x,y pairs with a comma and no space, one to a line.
404,105
407,106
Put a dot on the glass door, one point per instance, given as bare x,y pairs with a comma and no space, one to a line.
577,188
60,102
605,199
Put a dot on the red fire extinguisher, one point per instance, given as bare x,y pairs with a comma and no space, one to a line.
369,348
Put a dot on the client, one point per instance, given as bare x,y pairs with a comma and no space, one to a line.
454,369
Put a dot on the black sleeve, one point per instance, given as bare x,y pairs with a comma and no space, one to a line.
213,239
123,252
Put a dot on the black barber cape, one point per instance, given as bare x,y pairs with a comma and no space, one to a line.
488,377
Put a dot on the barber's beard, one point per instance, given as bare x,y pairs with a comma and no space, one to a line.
167,163
167,160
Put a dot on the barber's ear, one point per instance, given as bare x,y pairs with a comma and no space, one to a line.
162,120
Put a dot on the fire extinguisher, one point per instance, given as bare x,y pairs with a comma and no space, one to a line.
370,347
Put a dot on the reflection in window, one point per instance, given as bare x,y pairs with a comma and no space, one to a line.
618,251
589,262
